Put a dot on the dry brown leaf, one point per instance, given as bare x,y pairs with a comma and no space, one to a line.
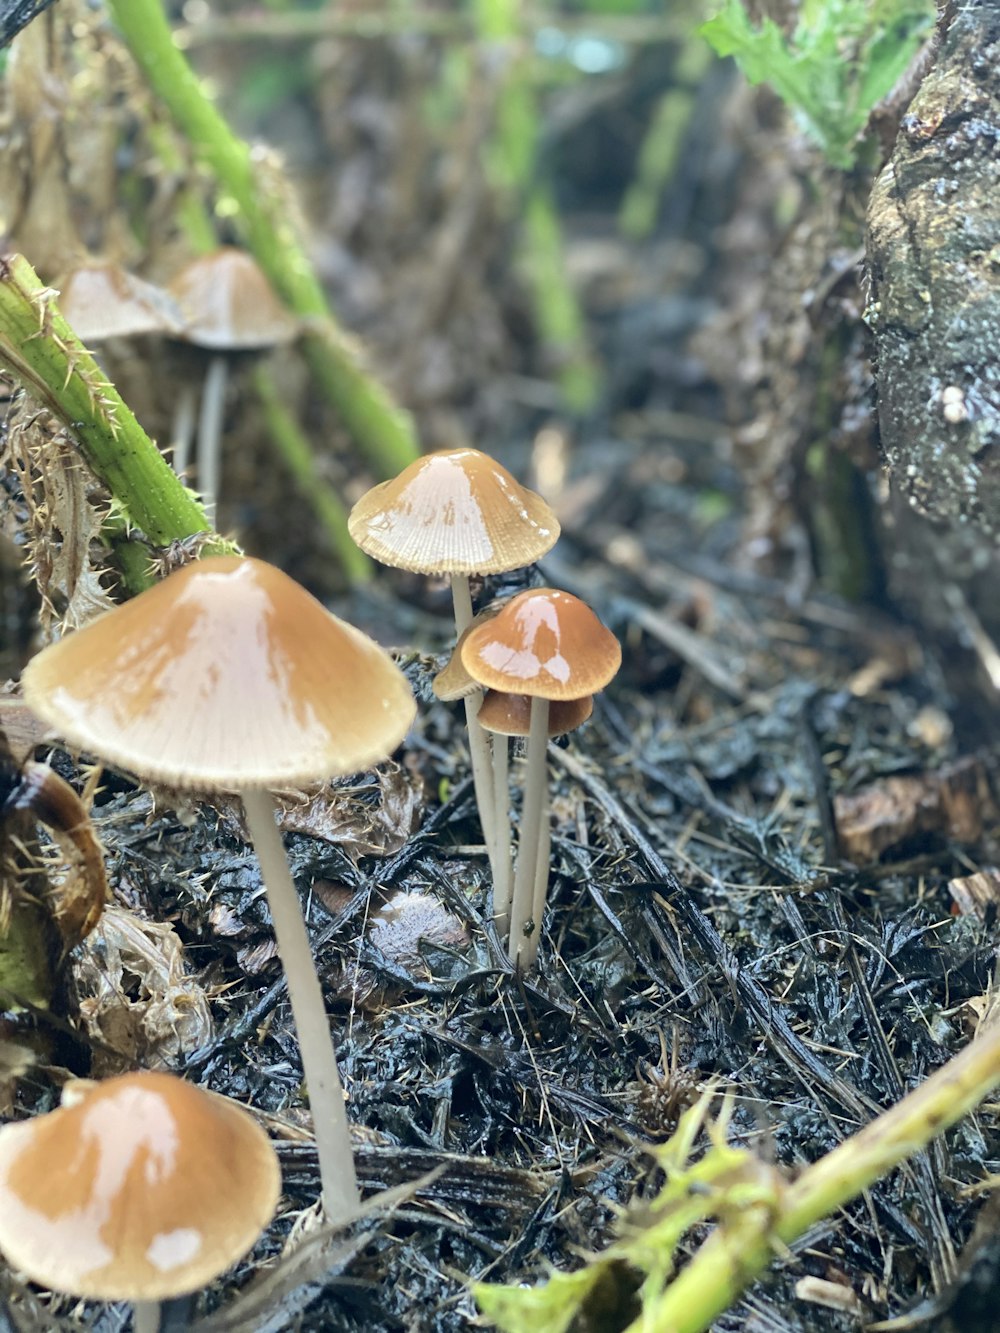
136,996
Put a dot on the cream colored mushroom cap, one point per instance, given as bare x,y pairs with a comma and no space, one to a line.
453,512
544,642
104,301
227,675
229,305
146,1188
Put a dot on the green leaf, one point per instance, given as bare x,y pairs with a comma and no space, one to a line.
843,58
550,1308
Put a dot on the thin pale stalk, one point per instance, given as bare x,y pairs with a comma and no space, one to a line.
503,870
540,889
479,748
734,1254
146,1316
182,429
523,947
210,423
341,1196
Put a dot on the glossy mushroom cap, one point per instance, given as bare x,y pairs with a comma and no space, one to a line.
225,675
544,642
229,304
103,301
510,714
453,512
144,1189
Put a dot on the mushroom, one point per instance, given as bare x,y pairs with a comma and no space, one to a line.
102,300
229,676
229,306
547,644
139,1189
457,512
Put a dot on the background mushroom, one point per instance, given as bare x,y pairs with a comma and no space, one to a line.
228,307
102,300
141,1189
229,676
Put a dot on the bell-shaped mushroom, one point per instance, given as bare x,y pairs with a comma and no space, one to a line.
139,1189
229,307
229,676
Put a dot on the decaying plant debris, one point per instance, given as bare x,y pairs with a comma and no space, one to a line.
715,911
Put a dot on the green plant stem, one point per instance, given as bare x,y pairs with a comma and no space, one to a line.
661,146
512,159
297,453
738,1251
52,364
382,431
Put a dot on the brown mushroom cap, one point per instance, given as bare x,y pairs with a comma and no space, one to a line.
225,675
229,304
453,682
544,642
453,512
103,301
510,714
145,1188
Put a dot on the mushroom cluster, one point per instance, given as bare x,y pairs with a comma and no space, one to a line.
228,677
456,513
541,657
220,304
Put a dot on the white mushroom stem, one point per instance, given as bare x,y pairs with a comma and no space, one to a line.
479,750
145,1317
503,877
523,947
341,1196
182,430
540,890
210,422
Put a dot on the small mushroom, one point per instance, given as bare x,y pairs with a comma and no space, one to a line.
549,645
228,676
102,301
229,307
138,1189
457,512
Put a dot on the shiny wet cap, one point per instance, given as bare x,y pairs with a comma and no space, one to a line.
145,1188
510,714
453,512
103,301
544,642
229,305
227,675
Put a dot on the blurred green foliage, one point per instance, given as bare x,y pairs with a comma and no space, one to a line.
842,58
